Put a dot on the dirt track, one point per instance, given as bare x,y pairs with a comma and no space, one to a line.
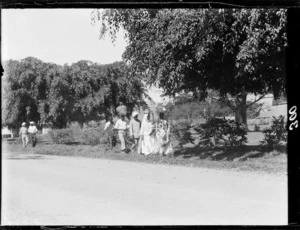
52,190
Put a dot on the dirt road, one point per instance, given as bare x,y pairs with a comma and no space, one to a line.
52,190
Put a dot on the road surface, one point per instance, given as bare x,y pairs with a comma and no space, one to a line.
55,190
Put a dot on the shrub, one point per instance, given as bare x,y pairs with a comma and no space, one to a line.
90,136
181,132
62,136
276,134
222,130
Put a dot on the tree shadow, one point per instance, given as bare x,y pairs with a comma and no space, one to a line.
219,153
26,157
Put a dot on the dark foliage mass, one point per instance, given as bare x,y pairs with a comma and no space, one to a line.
181,132
276,135
81,92
236,52
227,132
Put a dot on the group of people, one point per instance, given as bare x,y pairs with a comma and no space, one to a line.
28,134
148,137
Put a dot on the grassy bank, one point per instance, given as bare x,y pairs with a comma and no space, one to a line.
249,158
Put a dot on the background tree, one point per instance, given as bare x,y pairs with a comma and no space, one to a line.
82,92
232,51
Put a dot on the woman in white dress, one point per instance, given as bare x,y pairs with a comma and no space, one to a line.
146,135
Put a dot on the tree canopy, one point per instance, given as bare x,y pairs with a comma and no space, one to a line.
83,91
233,51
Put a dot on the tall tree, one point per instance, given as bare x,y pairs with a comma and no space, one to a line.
45,92
235,52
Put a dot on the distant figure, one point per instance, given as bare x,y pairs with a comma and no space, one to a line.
24,134
146,137
121,109
121,126
110,134
134,130
32,130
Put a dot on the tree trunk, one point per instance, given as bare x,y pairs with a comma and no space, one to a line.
241,113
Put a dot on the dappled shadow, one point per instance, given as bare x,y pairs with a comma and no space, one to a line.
218,153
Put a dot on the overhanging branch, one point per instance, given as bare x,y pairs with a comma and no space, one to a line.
262,96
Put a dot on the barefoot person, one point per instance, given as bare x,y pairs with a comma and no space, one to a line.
32,130
121,126
134,130
24,134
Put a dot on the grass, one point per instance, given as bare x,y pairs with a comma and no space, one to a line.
248,158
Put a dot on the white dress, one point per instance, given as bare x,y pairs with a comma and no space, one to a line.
147,143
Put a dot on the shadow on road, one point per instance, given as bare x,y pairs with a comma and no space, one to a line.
24,157
221,153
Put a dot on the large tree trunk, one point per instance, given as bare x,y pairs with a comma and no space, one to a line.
241,112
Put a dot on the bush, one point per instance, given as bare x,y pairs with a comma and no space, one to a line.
222,130
62,136
276,134
88,136
181,132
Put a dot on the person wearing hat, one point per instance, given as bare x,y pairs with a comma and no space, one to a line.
24,134
32,130
134,129
121,127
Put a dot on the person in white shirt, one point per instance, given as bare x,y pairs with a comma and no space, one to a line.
121,126
32,130
23,132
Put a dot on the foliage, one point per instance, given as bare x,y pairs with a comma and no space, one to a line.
231,133
84,91
91,136
233,51
276,135
180,131
62,136
88,136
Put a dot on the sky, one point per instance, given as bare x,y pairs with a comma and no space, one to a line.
61,36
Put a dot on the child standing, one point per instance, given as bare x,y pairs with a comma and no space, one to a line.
23,133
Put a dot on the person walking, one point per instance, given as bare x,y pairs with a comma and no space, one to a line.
121,127
163,136
134,130
32,130
146,138
24,134
110,134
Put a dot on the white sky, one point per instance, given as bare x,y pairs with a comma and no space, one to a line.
60,36
56,35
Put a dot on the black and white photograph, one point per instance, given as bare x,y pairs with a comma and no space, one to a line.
144,116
